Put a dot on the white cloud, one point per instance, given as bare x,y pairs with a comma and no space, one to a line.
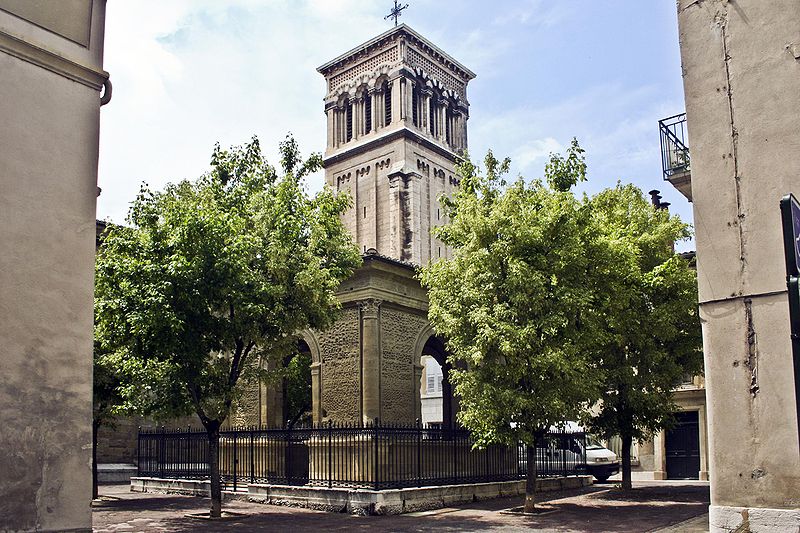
187,74
535,151
534,13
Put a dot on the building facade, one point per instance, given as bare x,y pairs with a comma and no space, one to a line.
51,81
741,73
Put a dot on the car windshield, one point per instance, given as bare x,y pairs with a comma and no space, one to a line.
593,444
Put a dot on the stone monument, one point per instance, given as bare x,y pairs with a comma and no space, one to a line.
397,113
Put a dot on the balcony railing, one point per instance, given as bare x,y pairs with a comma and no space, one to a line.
674,145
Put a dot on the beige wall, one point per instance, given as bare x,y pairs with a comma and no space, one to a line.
395,188
50,86
741,66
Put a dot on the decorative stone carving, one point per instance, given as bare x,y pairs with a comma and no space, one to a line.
369,307
399,331
339,349
246,410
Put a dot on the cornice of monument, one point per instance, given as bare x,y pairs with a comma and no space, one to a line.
388,137
401,30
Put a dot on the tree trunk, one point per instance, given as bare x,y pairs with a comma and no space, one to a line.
95,427
627,440
530,480
213,464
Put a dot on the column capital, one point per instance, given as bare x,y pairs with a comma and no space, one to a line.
369,307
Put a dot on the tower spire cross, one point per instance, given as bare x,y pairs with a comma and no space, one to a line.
395,13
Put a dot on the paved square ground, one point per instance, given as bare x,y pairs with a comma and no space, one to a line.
678,507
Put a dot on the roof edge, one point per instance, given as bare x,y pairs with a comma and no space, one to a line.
401,28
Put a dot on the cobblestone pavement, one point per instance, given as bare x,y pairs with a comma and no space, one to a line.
677,507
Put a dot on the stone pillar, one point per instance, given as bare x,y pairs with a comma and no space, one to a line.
329,113
456,132
425,114
418,371
397,98
414,208
701,419
337,126
441,117
410,103
462,131
316,393
376,207
356,115
395,215
370,359
660,456
373,95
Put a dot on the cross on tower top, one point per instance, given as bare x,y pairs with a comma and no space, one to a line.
395,12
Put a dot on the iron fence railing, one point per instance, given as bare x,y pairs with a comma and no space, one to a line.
374,456
674,145
615,445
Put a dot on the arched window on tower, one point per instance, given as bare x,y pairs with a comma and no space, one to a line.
415,104
447,133
387,104
367,112
432,115
349,111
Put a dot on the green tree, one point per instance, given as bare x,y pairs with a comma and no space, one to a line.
514,302
297,388
211,278
106,401
650,335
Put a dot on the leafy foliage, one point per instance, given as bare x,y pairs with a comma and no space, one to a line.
552,302
297,387
650,336
213,279
214,273
514,300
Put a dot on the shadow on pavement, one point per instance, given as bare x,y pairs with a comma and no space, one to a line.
597,508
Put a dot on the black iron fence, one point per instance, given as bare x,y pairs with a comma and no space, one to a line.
674,145
374,456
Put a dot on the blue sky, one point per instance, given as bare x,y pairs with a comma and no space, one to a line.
189,73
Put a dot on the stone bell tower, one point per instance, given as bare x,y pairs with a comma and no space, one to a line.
397,115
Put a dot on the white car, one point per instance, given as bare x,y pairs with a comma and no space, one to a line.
601,462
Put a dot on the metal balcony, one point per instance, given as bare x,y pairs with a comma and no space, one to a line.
675,162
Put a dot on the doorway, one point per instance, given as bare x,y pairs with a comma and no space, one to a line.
683,447
438,404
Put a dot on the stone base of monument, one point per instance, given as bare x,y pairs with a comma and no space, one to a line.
115,472
362,501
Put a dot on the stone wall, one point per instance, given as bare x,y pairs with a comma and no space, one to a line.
340,371
741,65
50,80
399,331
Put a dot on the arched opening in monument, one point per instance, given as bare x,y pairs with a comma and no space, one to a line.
438,406
297,390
